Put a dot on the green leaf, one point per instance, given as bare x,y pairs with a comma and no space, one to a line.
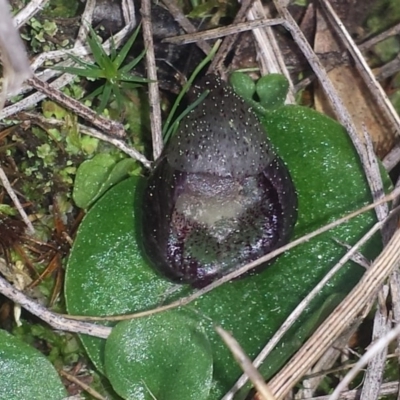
244,86
97,175
272,90
119,59
94,73
128,77
26,373
100,56
109,275
105,96
141,354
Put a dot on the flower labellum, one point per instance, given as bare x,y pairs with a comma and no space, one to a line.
219,197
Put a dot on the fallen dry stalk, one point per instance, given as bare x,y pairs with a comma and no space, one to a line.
350,309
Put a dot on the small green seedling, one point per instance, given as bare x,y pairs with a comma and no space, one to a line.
108,68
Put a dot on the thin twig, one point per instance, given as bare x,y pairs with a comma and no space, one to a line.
245,363
372,351
118,143
217,62
86,20
394,30
269,54
56,321
154,94
351,308
94,393
113,128
374,375
294,315
223,31
31,9
128,11
6,184
336,102
185,24
386,389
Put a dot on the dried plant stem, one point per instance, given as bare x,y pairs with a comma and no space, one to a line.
31,9
294,315
245,363
349,310
386,389
217,62
336,103
364,69
113,128
128,11
269,54
118,143
86,20
394,30
186,25
56,321
372,351
223,31
94,393
6,184
382,325
154,95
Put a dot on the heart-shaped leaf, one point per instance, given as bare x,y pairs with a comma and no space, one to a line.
97,175
141,355
107,274
26,373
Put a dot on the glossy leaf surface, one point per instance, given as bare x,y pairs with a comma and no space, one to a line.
26,373
97,175
165,356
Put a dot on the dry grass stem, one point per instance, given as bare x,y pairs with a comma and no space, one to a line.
335,101
118,143
270,57
56,321
365,71
245,363
392,159
95,394
30,10
376,348
86,21
113,128
294,315
154,95
217,64
382,325
185,24
311,384
386,390
350,309
6,184
394,30
128,11
223,31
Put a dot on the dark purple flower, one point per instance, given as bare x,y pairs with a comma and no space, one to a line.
219,197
